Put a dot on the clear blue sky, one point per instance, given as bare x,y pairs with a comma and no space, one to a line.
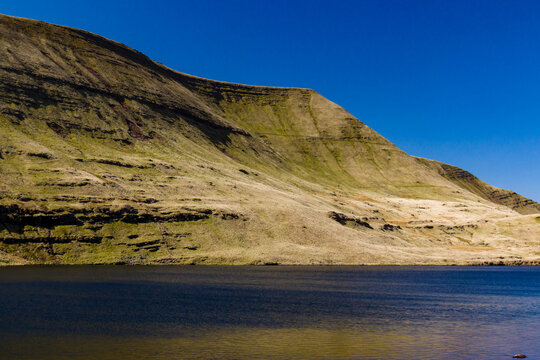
455,81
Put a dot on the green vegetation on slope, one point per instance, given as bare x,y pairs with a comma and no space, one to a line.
108,157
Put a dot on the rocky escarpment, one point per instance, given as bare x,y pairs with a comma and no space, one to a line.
109,157
44,234
471,183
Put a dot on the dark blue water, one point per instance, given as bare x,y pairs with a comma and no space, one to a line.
269,312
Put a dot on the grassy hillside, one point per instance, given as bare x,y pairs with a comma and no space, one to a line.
109,157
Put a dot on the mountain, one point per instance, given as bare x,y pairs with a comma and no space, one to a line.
109,157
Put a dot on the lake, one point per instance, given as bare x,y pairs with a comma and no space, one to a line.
278,312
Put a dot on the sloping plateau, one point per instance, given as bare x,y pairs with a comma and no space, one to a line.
107,157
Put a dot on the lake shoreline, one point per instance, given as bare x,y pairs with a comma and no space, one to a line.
533,263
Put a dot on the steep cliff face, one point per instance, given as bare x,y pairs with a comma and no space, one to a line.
107,156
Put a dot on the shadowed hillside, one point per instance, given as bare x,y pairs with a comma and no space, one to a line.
109,157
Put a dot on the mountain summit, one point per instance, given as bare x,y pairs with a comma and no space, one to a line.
109,157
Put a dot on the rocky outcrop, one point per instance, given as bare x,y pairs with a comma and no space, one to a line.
471,183
348,220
